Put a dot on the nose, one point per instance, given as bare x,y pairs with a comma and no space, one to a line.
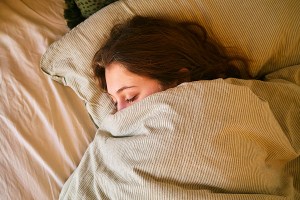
121,105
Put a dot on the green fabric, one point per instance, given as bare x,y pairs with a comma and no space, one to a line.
78,10
89,7
72,14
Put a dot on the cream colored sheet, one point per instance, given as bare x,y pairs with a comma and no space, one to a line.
220,139
44,127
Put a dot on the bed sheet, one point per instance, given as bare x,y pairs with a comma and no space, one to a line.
44,127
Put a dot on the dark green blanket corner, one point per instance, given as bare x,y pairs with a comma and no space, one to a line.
77,11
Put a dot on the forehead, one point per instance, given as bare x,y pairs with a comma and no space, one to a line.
117,76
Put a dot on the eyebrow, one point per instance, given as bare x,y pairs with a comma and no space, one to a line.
124,88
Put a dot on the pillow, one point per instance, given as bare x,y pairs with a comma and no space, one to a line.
267,32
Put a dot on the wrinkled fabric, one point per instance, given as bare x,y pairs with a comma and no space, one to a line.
44,127
232,139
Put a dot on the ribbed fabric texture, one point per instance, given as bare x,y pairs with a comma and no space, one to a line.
202,140
267,32
230,139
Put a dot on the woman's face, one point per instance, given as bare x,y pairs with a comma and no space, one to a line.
127,88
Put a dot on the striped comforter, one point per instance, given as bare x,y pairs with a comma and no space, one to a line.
220,139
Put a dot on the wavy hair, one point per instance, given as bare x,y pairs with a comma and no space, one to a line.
160,49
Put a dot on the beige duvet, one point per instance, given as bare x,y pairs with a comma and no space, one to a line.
220,139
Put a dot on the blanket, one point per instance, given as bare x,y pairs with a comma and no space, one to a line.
219,139
76,11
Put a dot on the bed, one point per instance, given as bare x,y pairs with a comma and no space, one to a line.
42,138
61,138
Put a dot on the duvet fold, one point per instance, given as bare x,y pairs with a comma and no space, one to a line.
217,139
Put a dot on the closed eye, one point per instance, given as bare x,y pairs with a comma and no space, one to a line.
131,99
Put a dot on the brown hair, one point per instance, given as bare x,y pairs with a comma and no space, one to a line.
159,49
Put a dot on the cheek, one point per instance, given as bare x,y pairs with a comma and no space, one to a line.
152,89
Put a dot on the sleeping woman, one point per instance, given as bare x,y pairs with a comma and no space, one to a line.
222,139
147,55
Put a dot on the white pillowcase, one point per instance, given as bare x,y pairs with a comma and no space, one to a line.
267,32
